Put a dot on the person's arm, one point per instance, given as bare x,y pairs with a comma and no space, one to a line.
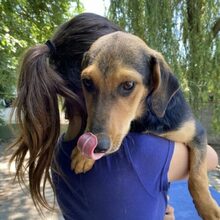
179,165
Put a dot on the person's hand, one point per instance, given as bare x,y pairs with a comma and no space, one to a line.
169,214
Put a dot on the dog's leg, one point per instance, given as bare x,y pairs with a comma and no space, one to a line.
80,163
198,179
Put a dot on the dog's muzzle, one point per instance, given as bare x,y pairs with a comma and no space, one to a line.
93,146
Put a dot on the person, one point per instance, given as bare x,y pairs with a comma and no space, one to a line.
132,183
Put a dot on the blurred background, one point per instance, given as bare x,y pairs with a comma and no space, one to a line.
186,32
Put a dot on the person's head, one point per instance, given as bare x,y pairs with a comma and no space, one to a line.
49,71
71,41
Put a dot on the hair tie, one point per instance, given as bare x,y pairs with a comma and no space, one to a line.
51,47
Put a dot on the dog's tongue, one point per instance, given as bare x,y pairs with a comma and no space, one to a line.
87,144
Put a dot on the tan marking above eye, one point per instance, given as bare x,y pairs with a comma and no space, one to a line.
111,81
124,74
91,72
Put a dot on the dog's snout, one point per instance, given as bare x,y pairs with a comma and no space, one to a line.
103,143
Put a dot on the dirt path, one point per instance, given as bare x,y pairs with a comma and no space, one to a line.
15,203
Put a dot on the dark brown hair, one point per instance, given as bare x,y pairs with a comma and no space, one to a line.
45,75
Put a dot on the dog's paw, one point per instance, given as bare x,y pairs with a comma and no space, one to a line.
210,210
214,214
80,163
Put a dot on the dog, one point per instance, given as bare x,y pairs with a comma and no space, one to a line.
129,86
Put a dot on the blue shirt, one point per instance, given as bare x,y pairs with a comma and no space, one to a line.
130,184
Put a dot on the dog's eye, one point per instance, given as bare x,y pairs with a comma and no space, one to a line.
126,88
129,85
88,84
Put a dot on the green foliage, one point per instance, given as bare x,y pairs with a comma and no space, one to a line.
24,23
187,33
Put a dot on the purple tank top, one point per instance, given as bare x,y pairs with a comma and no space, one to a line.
130,184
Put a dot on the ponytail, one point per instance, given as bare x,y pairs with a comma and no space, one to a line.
49,71
37,115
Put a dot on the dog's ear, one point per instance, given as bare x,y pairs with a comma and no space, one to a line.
165,85
85,60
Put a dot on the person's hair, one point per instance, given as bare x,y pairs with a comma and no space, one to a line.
45,74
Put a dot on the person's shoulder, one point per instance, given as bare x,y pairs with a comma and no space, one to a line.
148,146
148,138
64,147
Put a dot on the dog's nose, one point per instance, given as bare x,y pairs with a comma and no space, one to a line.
103,143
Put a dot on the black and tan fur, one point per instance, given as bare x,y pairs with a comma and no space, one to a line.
128,86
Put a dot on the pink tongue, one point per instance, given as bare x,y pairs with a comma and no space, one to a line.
87,144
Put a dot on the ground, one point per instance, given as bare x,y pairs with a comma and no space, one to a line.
15,203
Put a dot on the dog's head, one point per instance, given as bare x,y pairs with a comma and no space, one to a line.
119,72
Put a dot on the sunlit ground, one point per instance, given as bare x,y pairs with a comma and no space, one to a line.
214,179
15,203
